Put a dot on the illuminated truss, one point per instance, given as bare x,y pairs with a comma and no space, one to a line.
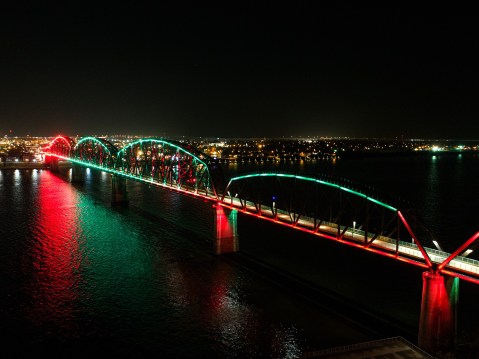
95,151
61,146
336,210
166,163
322,206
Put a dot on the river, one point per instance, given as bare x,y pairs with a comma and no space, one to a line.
79,276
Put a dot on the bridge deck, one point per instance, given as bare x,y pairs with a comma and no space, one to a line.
404,249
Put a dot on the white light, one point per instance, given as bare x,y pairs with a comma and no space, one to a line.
437,245
467,252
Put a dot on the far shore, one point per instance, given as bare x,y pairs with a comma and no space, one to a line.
22,165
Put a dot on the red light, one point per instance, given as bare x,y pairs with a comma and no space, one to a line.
57,271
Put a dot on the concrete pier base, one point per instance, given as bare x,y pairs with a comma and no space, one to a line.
119,194
438,320
226,239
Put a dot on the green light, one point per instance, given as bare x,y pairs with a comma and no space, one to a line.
194,191
179,151
382,204
353,192
94,139
164,142
304,178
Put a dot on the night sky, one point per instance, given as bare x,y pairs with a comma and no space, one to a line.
237,71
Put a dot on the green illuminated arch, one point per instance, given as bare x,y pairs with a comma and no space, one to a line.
169,143
95,151
112,150
315,180
169,163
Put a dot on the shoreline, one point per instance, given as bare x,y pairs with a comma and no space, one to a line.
344,155
22,165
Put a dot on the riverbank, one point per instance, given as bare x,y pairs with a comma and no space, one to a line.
412,154
22,165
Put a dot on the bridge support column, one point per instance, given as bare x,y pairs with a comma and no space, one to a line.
46,160
52,162
226,240
437,323
78,174
119,195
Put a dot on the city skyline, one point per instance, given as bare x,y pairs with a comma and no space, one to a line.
266,71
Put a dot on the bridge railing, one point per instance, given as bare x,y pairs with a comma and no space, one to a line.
358,235
436,255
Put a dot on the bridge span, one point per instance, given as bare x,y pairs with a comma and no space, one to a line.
330,208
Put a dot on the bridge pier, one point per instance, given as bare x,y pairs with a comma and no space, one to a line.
52,163
226,226
47,160
77,174
119,195
438,320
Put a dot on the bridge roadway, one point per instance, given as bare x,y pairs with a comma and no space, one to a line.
460,266
386,246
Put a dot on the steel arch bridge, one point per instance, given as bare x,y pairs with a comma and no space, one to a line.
162,162
329,208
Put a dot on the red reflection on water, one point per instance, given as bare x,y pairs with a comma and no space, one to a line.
219,289
55,255
225,222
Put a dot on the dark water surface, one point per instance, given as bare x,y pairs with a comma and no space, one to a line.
80,277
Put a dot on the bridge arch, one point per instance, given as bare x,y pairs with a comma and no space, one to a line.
60,146
329,207
316,180
170,163
95,151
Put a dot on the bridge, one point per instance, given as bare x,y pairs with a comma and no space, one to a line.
334,209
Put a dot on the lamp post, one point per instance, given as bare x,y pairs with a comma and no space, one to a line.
354,227
273,207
